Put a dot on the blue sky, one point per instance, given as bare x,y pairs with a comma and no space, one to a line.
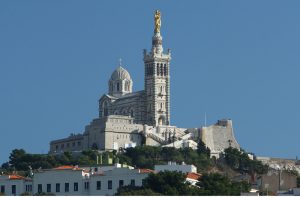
231,59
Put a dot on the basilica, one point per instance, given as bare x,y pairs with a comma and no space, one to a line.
129,119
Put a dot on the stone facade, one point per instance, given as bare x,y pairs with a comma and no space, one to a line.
219,137
128,119
276,180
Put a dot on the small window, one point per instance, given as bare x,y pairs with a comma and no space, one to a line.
40,188
67,187
165,70
118,86
98,185
75,187
111,87
121,183
56,147
2,190
57,187
86,185
109,184
131,113
78,143
132,182
48,188
28,188
13,189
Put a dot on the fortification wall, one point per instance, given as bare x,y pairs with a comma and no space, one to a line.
219,136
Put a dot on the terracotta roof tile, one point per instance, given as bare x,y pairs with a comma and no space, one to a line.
145,171
16,177
192,175
66,167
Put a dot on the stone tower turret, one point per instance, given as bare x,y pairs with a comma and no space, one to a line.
157,79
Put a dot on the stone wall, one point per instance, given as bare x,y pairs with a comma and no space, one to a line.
71,143
218,137
276,180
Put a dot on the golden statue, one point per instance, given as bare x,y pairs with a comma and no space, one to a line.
157,21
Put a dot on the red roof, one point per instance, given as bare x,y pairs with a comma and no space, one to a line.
15,177
145,171
193,175
67,168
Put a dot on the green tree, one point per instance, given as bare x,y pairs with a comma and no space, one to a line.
5,166
239,160
16,159
216,184
202,149
169,183
148,156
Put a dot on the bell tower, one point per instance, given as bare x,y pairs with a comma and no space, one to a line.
157,79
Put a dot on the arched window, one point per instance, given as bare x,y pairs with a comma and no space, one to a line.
131,113
161,70
165,70
162,120
105,109
126,86
157,69
150,70
111,86
118,86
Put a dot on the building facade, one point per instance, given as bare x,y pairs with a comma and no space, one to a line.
87,181
15,185
128,119
74,181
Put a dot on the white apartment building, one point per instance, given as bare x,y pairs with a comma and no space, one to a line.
14,185
86,181
107,183
62,181
75,181
173,166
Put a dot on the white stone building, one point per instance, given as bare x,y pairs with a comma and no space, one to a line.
173,166
87,181
15,185
74,181
128,118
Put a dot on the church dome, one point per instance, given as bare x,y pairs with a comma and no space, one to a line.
120,74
